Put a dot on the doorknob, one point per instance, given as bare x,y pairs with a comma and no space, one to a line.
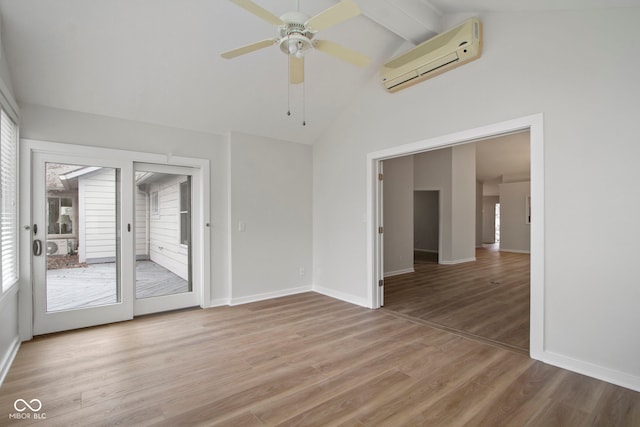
37,247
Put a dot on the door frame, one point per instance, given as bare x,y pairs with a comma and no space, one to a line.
28,147
533,123
439,191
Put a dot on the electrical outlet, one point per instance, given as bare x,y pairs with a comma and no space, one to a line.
301,271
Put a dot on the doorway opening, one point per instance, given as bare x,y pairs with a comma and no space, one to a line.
474,288
497,224
426,226
534,125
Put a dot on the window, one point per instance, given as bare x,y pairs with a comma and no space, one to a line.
154,203
9,202
60,213
185,212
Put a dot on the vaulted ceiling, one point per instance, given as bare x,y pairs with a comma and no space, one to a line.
158,61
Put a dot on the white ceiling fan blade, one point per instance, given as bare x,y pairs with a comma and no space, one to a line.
259,11
296,70
342,11
249,48
341,52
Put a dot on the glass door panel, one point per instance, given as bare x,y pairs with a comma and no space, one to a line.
82,243
163,238
80,262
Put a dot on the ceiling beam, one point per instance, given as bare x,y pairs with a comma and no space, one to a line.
413,20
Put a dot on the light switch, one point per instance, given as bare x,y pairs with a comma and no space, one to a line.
242,226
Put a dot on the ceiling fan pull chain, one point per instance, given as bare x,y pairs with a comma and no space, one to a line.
304,112
289,86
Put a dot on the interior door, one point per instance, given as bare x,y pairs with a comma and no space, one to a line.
380,235
166,238
81,242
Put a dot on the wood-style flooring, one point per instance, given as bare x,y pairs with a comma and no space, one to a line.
305,359
487,299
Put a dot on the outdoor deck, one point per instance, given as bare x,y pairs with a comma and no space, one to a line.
95,284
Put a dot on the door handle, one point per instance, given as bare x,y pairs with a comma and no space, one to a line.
37,247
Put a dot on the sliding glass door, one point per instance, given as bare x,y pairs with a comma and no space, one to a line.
110,240
164,207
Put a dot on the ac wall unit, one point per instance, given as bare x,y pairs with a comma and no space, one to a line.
434,56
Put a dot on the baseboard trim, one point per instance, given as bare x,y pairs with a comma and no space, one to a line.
399,272
8,358
269,295
612,376
352,299
458,261
219,302
515,251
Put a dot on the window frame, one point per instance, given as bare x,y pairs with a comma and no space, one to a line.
74,225
154,203
8,113
182,212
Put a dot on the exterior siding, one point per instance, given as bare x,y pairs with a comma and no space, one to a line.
157,234
164,226
142,225
97,212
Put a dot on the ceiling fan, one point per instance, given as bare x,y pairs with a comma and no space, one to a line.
297,35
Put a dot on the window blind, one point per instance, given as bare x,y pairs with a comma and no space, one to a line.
9,202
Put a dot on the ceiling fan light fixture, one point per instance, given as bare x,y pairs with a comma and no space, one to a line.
295,44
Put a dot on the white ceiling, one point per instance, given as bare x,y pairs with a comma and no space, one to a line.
157,61
505,156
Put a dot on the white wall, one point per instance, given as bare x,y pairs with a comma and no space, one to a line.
591,131
398,215
432,171
452,171
9,338
515,233
270,217
479,222
463,203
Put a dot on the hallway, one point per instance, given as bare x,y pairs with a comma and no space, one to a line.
487,299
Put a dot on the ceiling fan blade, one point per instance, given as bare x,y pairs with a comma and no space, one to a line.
342,11
259,11
341,52
249,48
296,70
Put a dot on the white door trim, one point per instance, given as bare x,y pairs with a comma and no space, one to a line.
534,124
29,146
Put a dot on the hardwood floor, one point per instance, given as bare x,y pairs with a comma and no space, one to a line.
487,299
301,360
